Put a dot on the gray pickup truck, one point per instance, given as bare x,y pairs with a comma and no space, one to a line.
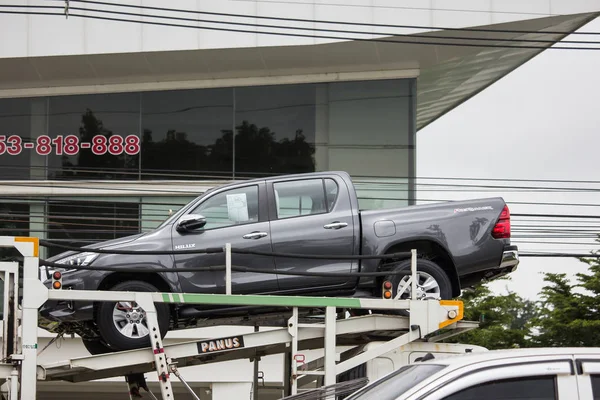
459,244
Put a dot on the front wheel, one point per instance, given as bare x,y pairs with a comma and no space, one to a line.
123,325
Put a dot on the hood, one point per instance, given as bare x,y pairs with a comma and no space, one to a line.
99,245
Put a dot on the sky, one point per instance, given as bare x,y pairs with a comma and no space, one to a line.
541,121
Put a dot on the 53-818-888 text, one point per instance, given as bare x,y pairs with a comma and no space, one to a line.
70,145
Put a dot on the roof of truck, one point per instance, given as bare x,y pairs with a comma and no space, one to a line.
513,354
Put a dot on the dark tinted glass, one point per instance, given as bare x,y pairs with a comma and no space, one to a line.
596,386
275,130
187,134
94,119
15,121
78,223
14,221
534,388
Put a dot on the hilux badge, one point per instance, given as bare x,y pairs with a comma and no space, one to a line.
185,246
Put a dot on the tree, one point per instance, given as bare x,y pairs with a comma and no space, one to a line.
504,319
570,311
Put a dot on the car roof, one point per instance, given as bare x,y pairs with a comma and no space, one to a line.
299,175
493,355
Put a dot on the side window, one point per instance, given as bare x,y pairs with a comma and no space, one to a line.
595,386
297,198
331,192
232,207
532,388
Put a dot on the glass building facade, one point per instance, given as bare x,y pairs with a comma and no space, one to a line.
363,127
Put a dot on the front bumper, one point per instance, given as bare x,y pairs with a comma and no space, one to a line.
65,311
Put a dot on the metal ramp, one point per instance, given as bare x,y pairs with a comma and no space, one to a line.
326,332
350,332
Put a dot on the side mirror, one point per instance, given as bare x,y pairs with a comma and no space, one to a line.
190,222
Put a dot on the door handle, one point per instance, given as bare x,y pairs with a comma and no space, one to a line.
335,225
255,235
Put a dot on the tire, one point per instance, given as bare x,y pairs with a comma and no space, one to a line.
95,347
426,269
135,335
358,372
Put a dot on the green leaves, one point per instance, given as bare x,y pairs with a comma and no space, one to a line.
566,313
504,320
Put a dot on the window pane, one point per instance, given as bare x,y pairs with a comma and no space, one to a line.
299,198
534,388
331,191
370,135
232,207
595,386
187,134
88,117
15,120
79,223
275,130
14,221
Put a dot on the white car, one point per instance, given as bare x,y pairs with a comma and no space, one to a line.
536,374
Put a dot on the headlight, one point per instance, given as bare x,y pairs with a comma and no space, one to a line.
79,259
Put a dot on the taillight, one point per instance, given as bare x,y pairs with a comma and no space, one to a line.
502,228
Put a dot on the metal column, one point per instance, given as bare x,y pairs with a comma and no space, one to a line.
330,346
32,300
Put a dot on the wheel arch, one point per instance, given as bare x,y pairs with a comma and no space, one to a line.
152,278
433,251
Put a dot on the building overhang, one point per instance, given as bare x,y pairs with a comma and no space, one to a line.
447,75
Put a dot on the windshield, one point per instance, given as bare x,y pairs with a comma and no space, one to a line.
396,383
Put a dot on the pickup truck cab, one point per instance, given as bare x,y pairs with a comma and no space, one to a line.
539,373
459,244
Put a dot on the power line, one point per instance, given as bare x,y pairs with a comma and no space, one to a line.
249,175
348,23
415,42
462,10
312,29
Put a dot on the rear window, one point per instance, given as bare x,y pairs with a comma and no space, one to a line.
393,385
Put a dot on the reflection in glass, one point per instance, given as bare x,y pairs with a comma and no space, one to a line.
187,134
15,120
275,130
78,223
14,221
87,117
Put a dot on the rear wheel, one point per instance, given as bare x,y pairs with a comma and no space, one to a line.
123,325
432,281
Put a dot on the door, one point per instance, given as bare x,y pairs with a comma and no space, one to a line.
313,217
237,216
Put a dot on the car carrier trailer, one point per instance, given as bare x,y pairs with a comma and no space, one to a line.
301,331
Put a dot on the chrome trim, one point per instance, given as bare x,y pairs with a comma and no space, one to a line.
510,258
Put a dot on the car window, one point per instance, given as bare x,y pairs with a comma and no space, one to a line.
331,192
595,386
530,388
231,207
393,385
296,198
